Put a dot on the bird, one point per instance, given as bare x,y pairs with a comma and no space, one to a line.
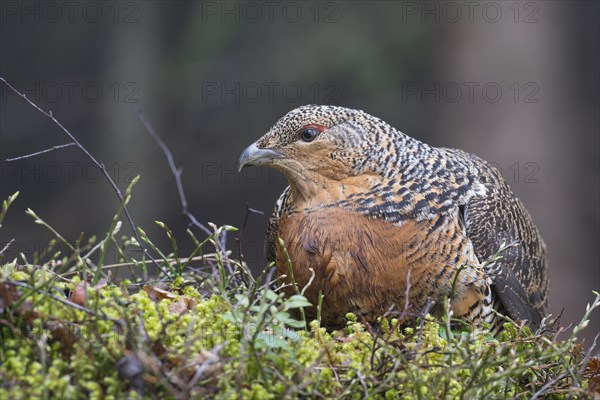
374,220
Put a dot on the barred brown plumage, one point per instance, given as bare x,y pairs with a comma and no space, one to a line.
371,211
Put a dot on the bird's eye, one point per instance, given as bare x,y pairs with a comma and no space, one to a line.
309,134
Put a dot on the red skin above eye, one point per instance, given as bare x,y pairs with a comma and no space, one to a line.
320,128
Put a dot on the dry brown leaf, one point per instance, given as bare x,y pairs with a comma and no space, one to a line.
8,295
101,283
593,372
181,306
156,293
79,294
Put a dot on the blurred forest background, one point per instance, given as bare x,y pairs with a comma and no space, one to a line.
516,83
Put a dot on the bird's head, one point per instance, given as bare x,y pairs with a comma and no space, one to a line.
315,145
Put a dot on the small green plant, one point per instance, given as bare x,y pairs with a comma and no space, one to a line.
71,329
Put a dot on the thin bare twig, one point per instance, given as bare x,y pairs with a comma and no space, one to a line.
249,210
6,247
176,173
191,219
98,164
66,302
37,153
240,234
172,261
213,358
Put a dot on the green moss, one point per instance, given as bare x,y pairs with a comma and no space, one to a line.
194,339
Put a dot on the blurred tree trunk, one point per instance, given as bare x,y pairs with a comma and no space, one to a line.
542,127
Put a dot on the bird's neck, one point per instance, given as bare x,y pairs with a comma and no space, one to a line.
320,191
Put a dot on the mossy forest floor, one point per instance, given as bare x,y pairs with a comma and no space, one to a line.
71,328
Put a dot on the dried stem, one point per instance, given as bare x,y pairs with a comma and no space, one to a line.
176,173
93,159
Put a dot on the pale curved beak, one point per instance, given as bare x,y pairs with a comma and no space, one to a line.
256,156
